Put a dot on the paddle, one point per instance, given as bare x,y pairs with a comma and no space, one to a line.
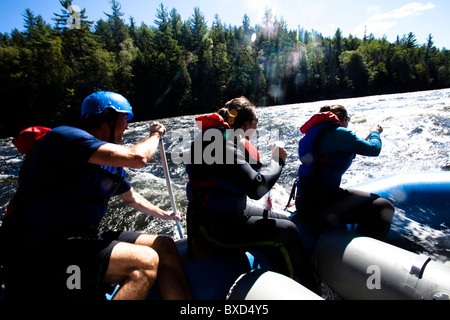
162,151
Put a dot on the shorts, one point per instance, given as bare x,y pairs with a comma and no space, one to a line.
93,253
73,268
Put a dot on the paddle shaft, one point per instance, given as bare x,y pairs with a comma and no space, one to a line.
162,151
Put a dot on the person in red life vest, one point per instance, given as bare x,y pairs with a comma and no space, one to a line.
326,152
69,176
224,170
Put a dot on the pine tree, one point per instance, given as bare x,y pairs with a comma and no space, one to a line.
71,17
117,25
184,67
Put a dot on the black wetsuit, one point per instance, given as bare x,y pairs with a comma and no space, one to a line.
218,213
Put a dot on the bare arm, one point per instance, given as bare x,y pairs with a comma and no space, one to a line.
135,157
139,203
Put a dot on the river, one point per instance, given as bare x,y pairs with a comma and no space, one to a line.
416,138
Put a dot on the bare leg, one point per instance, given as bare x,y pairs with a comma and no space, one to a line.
172,280
135,268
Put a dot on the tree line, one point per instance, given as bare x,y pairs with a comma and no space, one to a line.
180,67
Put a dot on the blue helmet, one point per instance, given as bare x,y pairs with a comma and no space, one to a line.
101,100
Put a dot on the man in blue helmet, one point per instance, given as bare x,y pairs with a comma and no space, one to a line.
53,228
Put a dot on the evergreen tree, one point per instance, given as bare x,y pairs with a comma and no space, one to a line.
183,67
118,29
163,20
70,17
176,24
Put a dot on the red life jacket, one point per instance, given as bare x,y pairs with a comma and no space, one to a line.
200,190
251,151
214,120
25,142
317,119
27,139
211,120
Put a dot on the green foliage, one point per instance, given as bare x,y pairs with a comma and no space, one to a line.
185,67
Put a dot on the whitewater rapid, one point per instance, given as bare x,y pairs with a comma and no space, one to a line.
415,139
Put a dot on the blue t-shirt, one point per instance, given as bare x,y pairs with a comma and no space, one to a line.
62,190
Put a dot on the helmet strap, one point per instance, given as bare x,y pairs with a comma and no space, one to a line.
112,133
111,118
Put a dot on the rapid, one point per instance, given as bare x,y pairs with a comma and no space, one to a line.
416,138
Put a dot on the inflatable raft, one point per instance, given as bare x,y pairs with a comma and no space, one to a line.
354,267
363,268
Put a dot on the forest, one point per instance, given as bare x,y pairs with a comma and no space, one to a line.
180,67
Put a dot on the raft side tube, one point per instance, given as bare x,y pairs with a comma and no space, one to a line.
422,197
429,191
261,284
362,268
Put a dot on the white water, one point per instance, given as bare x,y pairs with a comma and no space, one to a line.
415,138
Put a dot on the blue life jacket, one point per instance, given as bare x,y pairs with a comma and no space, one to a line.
320,172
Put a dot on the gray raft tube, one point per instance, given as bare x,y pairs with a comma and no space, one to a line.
362,268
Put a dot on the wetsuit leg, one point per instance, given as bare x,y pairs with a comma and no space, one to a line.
263,224
266,231
372,213
279,232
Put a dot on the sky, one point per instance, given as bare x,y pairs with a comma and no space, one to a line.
390,18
